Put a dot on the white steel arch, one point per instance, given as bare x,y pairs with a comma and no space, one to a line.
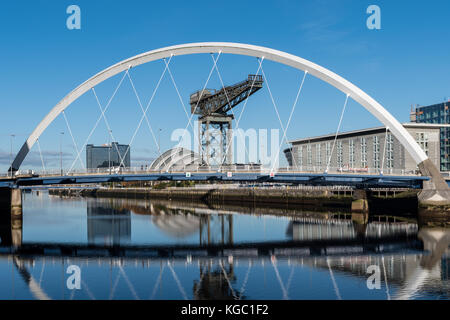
324,74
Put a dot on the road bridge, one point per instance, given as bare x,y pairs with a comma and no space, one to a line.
435,190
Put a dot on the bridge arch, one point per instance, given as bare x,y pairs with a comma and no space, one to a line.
419,156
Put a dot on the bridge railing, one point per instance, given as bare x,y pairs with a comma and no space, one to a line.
228,169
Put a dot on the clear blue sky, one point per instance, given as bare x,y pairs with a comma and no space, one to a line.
406,62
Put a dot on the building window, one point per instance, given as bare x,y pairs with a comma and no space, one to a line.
351,153
363,152
389,151
422,140
376,152
328,152
319,155
340,160
300,156
309,155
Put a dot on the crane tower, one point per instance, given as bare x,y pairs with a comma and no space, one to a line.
215,123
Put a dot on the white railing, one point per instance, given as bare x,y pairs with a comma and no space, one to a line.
229,169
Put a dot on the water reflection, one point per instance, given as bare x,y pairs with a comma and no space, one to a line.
167,250
107,225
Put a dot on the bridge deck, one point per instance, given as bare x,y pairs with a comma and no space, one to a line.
279,248
319,179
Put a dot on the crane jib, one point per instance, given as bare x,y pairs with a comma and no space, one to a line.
209,101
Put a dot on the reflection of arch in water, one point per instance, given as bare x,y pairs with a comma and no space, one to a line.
34,286
436,241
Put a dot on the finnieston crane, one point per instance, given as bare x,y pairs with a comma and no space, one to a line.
215,123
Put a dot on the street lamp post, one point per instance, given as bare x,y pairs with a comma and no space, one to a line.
60,152
159,141
10,154
109,151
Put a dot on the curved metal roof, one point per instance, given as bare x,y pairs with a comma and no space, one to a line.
175,158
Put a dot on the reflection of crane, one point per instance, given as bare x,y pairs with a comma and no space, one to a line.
213,106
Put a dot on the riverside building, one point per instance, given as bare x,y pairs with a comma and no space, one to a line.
364,151
107,156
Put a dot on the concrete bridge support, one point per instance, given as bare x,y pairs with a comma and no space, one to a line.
360,212
359,202
436,241
11,198
11,217
16,203
436,192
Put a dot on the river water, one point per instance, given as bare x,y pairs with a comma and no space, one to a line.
86,248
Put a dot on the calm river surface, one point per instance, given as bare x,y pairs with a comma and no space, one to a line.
129,249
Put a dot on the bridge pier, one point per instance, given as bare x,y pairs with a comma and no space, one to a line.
360,212
11,217
11,198
435,193
359,202
436,241
16,203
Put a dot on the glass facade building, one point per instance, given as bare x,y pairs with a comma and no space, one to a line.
108,156
439,114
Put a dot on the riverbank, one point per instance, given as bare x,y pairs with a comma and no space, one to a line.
266,196
314,199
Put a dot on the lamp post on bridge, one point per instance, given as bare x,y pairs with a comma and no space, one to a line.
109,151
60,151
159,141
10,154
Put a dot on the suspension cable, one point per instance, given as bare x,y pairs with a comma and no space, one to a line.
289,120
107,124
98,120
291,275
260,61
144,116
113,289
130,285
90,294
40,152
232,112
178,93
228,280
337,132
73,139
180,287
385,279
244,284
336,289
201,95
158,281
277,273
